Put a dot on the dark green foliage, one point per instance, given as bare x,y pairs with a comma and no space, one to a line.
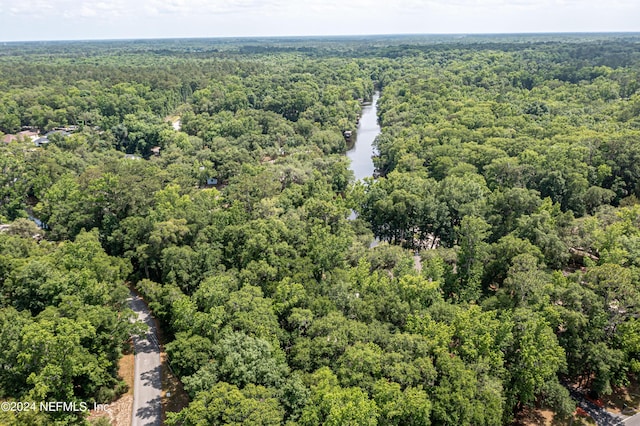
506,212
64,321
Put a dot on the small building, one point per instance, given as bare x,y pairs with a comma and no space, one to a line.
29,134
60,132
41,141
68,129
25,134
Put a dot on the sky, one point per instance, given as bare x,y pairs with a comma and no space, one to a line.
26,20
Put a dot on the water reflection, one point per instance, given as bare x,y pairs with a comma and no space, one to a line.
362,151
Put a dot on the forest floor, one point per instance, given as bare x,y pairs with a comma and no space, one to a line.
624,397
542,417
174,397
628,397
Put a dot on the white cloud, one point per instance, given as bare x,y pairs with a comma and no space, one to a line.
210,18
30,7
203,7
72,8
98,10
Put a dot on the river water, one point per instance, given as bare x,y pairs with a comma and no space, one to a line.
362,151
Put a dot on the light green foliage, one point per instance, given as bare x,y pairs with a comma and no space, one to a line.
525,283
557,397
287,296
418,292
410,407
544,229
328,338
508,172
464,398
360,365
241,359
214,291
629,333
248,311
535,356
65,342
225,404
402,208
471,235
188,353
60,207
326,250
331,404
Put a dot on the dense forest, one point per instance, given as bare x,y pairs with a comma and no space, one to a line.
494,261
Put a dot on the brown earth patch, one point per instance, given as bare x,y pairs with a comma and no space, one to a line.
544,417
119,412
174,397
534,417
625,399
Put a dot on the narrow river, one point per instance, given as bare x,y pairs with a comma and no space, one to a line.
362,151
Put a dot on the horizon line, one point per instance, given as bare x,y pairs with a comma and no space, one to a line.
323,36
